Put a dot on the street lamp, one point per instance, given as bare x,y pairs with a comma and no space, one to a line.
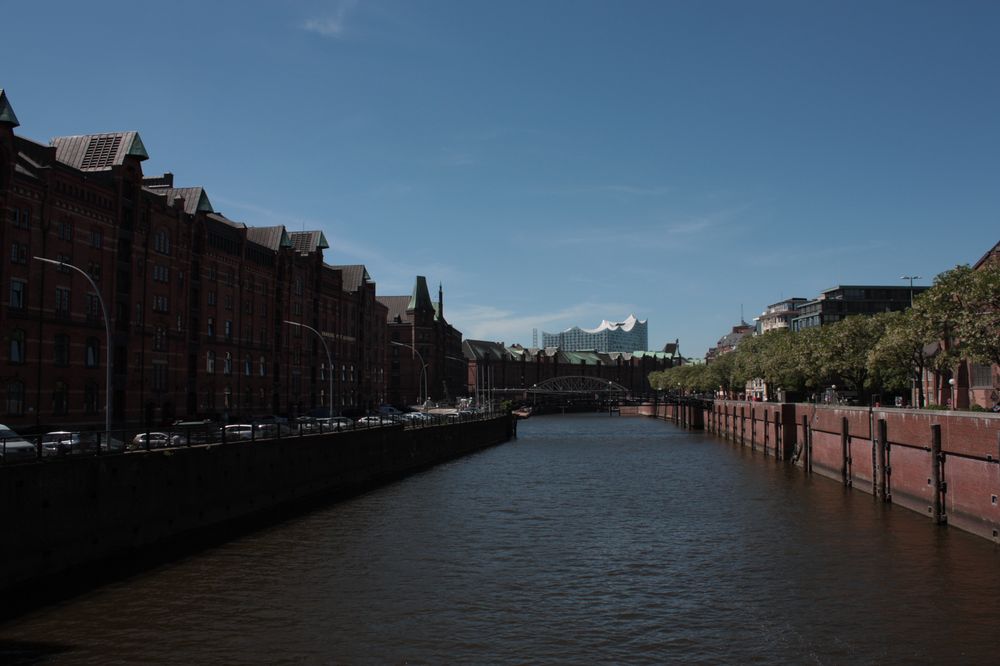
423,368
107,333
951,385
911,278
329,359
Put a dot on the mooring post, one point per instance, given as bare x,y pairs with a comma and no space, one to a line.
743,421
880,450
753,426
806,445
845,451
937,485
766,429
779,437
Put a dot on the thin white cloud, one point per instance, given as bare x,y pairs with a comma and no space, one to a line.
334,25
634,190
669,234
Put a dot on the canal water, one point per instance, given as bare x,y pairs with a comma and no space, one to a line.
589,539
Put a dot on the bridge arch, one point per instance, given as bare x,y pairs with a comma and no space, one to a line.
578,385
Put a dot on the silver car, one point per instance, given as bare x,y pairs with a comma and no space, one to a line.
14,448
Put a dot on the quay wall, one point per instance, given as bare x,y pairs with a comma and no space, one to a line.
72,514
943,464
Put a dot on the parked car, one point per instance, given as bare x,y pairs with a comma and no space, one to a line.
58,443
156,440
196,432
370,421
14,448
306,424
64,442
335,423
237,431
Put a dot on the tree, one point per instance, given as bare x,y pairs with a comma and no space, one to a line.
848,345
898,358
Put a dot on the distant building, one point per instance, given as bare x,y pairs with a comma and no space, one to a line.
729,341
626,336
779,315
496,370
840,302
418,335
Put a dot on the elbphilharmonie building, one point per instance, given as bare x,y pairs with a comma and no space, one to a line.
624,336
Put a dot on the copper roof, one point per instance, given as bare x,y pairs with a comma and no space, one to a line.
273,238
397,306
307,242
7,111
354,276
195,198
99,152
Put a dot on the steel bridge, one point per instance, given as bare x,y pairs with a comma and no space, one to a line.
578,386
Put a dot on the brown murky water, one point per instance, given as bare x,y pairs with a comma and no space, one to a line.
590,539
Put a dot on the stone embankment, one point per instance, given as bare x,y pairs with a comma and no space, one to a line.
943,464
67,518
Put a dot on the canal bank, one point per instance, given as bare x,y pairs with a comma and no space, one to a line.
71,520
943,464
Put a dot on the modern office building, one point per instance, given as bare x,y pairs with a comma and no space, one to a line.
625,336
842,301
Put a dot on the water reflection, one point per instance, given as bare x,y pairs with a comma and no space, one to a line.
590,538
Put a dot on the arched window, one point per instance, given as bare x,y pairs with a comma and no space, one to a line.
17,351
15,398
247,368
93,353
263,368
227,398
60,401
228,365
210,362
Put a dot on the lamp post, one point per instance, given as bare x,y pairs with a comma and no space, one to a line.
329,359
911,278
107,343
951,390
423,368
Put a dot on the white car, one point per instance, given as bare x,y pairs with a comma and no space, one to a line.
369,421
155,440
237,431
14,448
334,423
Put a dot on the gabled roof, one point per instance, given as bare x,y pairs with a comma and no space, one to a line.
992,254
480,350
195,198
397,308
354,276
273,238
99,152
307,242
7,111
219,217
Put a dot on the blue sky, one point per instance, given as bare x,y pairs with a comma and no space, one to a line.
556,163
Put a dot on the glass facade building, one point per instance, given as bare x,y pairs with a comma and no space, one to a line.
625,336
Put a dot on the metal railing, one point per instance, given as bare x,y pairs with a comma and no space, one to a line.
68,444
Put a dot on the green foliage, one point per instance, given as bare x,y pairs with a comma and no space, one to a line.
882,353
